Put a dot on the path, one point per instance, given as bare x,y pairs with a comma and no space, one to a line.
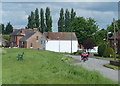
97,64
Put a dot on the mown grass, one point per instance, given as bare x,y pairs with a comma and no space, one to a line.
45,67
112,66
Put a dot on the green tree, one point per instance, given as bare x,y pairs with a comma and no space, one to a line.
67,21
29,22
61,21
99,36
37,23
73,14
9,28
101,49
111,27
32,19
84,28
42,24
48,20
110,52
2,29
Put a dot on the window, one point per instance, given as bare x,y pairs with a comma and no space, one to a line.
31,45
36,37
41,41
44,41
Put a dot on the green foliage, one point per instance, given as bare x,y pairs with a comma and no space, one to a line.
64,22
29,22
73,14
101,49
117,26
48,20
84,28
32,19
42,24
61,21
2,29
100,36
45,67
109,52
37,22
112,66
6,37
67,21
95,54
9,28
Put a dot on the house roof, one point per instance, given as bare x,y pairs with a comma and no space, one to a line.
23,31
60,35
117,36
27,36
26,33
3,40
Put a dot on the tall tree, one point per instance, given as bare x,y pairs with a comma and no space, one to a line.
48,20
37,23
29,22
99,36
111,27
73,14
42,24
67,21
32,20
84,28
61,21
9,28
2,29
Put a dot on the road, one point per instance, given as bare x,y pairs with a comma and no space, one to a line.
97,64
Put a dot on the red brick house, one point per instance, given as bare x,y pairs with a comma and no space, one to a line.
117,41
25,38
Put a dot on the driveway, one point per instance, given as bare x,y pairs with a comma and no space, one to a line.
97,64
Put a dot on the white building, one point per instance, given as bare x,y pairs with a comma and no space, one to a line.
94,50
61,41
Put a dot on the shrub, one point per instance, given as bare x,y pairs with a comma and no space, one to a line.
95,54
110,52
101,49
7,37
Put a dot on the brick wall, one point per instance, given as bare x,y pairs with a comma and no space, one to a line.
17,39
35,43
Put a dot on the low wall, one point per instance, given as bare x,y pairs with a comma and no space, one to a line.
116,63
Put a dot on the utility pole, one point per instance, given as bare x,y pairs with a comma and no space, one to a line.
114,39
71,42
107,44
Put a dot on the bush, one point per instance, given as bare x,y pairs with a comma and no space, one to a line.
118,56
6,37
95,54
101,49
110,52
77,53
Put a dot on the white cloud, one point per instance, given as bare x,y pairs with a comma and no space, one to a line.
102,18
60,0
17,13
15,17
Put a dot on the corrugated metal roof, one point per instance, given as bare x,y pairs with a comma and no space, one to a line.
60,35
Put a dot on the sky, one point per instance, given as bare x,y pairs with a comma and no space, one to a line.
17,12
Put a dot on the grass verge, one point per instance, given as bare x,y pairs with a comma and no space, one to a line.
112,66
45,67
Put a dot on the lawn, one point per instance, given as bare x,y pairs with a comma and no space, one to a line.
45,67
112,66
